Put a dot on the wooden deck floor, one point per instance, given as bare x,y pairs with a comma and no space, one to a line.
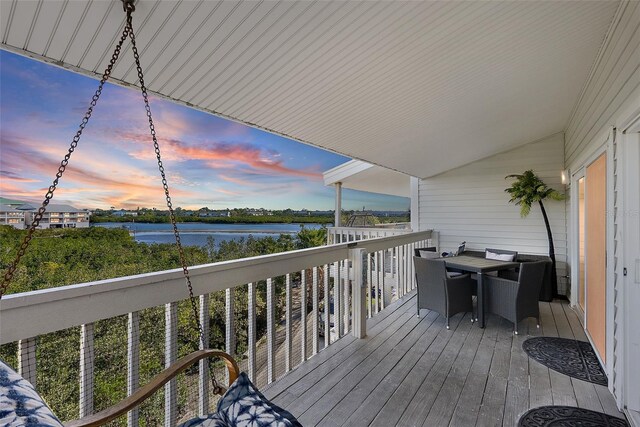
412,371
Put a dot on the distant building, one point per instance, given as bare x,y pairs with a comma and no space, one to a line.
11,216
20,214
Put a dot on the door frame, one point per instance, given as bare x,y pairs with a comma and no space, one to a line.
607,147
574,198
629,315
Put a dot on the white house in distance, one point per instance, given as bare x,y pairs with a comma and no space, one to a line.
19,214
453,96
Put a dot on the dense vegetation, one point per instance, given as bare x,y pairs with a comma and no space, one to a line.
238,216
60,257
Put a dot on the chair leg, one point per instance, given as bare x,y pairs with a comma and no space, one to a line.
515,328
538,322
447,323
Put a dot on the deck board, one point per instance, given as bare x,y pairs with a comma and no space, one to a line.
412,371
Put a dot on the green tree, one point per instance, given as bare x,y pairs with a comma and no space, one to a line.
310,238
526,190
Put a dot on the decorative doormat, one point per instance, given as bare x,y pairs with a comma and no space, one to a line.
570,357
568,416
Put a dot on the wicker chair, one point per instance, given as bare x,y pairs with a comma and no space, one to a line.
445,295
516,300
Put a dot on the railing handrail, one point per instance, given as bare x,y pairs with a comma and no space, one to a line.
29,314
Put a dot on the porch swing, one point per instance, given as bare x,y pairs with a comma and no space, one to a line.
241,403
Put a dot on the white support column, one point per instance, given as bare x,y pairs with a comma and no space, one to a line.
303,315
133,363
86,370
203,365
27,360
358,298
252,331
327,308
271,332
288,349
170,356
315,303
338,212
415,203
230,327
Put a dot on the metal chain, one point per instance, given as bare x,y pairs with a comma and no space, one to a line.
172,216
127,32
8,275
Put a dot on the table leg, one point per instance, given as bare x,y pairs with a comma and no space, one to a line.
481,320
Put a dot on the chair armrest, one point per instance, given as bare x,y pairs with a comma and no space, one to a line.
158,381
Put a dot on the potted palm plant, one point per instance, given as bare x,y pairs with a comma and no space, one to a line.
526,190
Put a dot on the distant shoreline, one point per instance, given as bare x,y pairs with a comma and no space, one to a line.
216,220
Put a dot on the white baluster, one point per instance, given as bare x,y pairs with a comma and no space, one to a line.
86,370
271,332
252,331
303,315
337,299
327,313
170,356
359,327
203,365
133,363
288,350
314,322
230,327
27,360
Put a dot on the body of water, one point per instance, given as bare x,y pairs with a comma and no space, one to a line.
196,233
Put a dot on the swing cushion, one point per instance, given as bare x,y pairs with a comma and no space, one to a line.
243,405
20,404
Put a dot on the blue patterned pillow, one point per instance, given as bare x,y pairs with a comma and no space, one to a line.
213,420
244,406
20,404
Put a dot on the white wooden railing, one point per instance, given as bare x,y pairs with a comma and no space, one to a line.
355,275
351,234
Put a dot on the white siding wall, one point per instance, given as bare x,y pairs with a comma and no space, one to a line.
469,203
613,90
610,98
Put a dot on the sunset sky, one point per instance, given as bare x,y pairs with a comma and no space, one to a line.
209,161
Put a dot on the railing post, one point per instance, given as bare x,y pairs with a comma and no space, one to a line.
170,356
203,365
271,332
27,360
358,296
252,331
133,363
86,370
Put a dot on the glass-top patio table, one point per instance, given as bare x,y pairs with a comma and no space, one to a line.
480,266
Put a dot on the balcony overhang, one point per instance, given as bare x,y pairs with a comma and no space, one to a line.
418,87
362,176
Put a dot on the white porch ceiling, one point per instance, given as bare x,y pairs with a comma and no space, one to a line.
418,87
359,175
